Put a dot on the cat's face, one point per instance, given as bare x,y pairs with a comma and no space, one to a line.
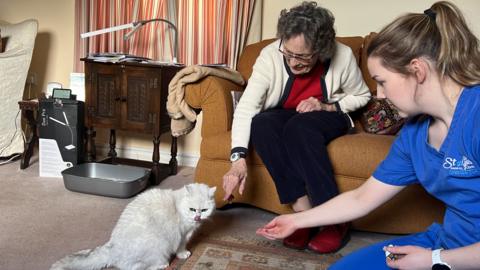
198,203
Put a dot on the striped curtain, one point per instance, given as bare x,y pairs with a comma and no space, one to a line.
213,31
153,40
209,31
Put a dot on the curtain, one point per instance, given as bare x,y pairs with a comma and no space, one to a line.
153,40
209,31
214,31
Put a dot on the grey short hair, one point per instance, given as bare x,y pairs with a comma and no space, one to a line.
314,22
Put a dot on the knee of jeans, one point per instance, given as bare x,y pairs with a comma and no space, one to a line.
298,122
298,131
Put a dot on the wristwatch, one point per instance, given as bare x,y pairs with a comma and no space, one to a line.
236,156
437,263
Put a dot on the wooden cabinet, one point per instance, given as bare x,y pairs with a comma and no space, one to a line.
132,97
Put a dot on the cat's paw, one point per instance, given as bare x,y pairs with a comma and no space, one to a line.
184,254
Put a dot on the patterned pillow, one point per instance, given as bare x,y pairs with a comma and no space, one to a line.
379,116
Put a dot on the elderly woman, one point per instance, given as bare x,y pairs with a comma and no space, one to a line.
297,100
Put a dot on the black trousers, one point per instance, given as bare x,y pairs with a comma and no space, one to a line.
293,147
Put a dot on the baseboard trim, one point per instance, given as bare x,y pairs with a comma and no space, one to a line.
184,159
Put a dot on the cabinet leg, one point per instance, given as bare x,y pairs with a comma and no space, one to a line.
156,161
33,138
113,142
91,151
173,159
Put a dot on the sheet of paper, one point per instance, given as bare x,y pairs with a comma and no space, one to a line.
51,163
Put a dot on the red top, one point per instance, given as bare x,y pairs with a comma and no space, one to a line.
305,86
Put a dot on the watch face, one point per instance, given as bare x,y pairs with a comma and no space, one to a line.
440,266
235,157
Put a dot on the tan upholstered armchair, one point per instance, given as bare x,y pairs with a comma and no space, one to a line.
354,156
15,56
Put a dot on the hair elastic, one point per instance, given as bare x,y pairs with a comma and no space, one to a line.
430,13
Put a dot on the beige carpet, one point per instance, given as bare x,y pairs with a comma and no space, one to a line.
41,221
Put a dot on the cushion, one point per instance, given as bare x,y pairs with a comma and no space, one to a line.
357,155
379,116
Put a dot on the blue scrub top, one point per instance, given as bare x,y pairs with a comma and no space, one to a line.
451,174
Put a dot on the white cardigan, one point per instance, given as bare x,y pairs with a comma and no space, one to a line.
267,83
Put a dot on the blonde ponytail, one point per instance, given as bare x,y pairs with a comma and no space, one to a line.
459,56
439,34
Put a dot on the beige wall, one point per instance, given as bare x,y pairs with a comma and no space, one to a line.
53,53
353,17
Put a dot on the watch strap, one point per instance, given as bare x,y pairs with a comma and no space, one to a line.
437,260
236,156
241,150
238,153
241,154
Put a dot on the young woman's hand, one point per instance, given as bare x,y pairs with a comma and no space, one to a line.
236,176
313,104
279,228
410,257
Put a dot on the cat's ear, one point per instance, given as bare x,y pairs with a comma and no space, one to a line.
211,191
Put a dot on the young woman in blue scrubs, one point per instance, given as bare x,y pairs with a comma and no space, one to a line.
428,66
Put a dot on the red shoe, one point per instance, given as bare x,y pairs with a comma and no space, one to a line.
330,239
298,239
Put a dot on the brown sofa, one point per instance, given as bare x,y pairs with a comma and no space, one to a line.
354,156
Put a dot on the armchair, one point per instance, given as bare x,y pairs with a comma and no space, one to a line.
354,156
15,56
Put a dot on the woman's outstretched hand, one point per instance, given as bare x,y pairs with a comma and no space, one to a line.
235,177
279,228
410,257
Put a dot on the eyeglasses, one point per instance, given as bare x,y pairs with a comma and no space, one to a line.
302,58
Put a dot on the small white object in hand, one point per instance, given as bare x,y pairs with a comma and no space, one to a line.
390,255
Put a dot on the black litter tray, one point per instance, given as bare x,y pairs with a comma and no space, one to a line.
120,181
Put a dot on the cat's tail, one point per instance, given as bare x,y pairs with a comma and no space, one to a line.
91,259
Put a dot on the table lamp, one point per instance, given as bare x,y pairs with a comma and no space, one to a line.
135,26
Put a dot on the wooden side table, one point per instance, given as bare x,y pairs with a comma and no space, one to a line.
29,109
129,96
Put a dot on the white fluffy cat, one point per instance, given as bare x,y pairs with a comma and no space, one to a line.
152,228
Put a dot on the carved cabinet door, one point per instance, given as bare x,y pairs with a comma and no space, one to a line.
103,93
140,97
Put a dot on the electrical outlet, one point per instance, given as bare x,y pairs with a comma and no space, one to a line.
32,78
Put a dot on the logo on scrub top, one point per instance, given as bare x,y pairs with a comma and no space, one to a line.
464,164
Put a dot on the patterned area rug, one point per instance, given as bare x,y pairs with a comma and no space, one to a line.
216,254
